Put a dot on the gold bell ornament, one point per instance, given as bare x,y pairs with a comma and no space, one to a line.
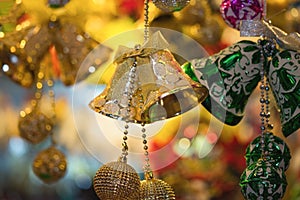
156,80
148,85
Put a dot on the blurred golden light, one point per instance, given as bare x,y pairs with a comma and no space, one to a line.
294,12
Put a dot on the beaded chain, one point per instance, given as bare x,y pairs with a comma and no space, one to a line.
129,93
267,49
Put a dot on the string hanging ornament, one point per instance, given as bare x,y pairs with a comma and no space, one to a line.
274,62
264,176
151,187
119,180
268,156
36,125
148,85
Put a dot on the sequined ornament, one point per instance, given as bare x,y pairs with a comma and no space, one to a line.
156,79
262,180
35,126
156,189
231,76
275,151
170,5
234,11
50,165
117,180
284,76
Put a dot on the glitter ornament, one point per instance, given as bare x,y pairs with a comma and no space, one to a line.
50,165
275,151
284,76
117,180
231,76
262,180
35,127
234,11
170,5
153,188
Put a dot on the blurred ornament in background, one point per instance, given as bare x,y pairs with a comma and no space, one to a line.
131,8
207,33
117,180
50,165
11,14
197,11
54,35
71,46
199,22
234,11
35,126
170,5
292,15
13,63
166,20
262,180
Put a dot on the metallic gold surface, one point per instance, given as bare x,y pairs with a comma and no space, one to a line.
156,189
50,165
117,180
161,89
35,127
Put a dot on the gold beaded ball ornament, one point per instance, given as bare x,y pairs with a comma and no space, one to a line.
156,189
35,126
50,165
117,181
171,5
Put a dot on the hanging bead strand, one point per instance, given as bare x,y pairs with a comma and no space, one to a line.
118,180
262,99
51,93
146,20
147,167
128,93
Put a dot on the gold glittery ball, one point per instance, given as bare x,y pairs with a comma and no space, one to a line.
35,127
50,165
156,189
117,181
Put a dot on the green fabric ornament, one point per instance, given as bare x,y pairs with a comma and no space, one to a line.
231,76
262,180
284,78
275,151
